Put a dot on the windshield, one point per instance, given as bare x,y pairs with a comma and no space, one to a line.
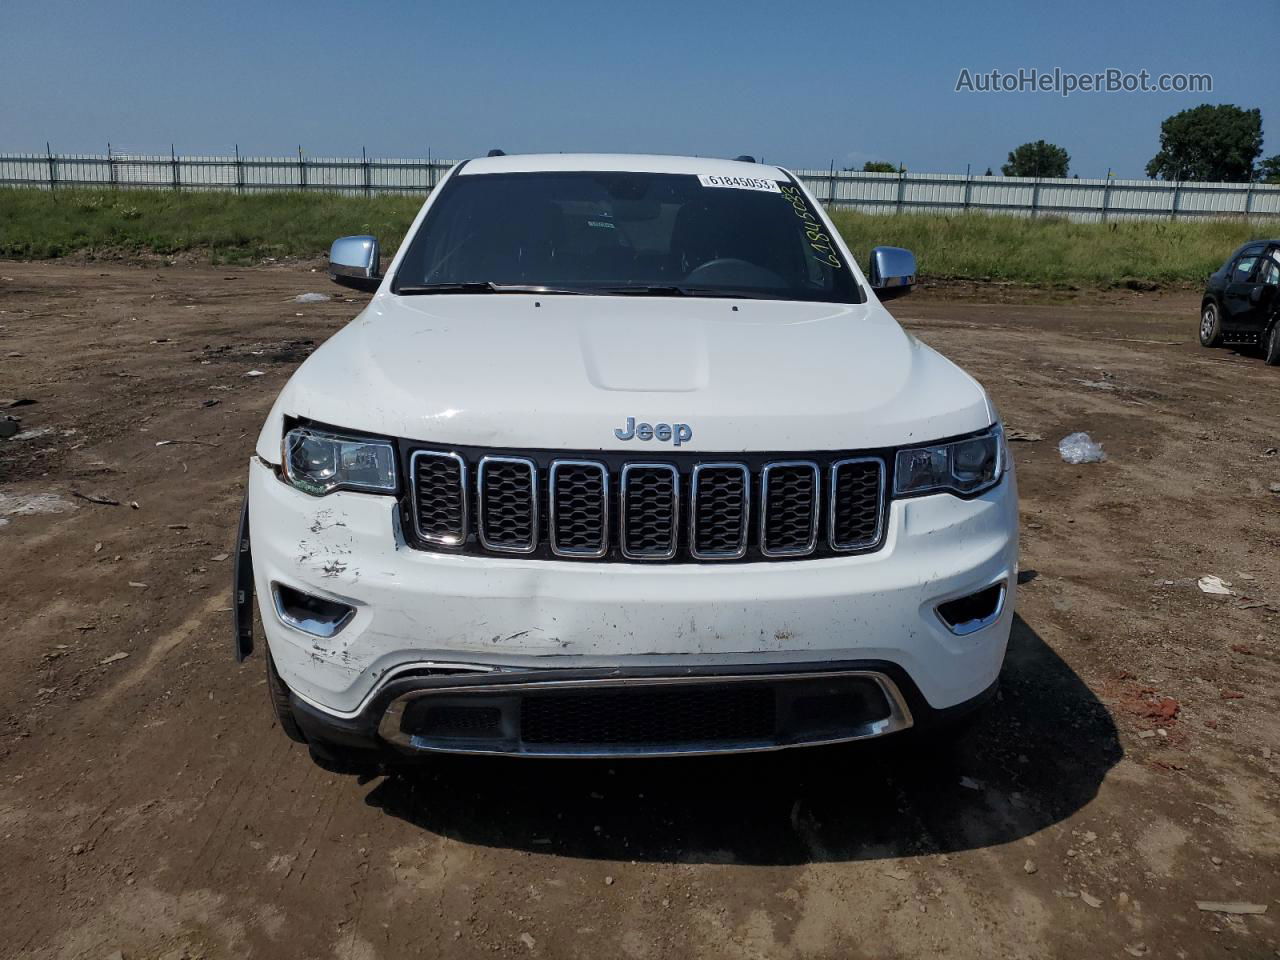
625,233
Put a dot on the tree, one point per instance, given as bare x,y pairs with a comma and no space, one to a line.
1209,143
1269,169
1037,159
879,166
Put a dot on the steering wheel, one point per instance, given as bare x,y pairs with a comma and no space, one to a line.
732,271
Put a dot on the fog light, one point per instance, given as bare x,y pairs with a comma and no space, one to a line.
970,614
308,613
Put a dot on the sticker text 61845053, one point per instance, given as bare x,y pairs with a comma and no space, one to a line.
819,240
738,183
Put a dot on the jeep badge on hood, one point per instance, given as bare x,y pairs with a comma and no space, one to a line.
676,433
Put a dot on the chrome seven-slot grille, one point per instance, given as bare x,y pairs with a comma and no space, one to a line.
611,508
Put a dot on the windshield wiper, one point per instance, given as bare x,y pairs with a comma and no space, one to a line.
643,290
479,286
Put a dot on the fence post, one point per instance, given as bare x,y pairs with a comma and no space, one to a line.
368,183
53,167
1173,205
111,168
173,160
968,183
902,189
831,186
239,171
302,170
1035,199
1106,195
1248,201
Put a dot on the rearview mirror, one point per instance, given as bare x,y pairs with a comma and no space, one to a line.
355,262
892,272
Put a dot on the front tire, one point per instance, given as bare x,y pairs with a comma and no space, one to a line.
280,704
1210,325
1271,349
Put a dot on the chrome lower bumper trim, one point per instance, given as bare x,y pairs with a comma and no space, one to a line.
390,726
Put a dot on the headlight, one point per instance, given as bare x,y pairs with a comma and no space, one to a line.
965,467
318,463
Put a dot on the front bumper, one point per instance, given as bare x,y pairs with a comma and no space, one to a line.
547,713
415,609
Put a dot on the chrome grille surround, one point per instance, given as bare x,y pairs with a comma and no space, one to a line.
447,497
509,511
841,497
634,475
702,510
580,511
553,505
789,534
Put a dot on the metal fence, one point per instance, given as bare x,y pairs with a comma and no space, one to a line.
1076,199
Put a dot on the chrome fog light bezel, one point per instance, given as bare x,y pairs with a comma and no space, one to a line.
966,628
324,629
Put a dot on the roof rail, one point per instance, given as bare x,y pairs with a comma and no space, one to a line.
496,153
745,158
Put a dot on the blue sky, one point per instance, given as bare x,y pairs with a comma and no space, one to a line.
800,84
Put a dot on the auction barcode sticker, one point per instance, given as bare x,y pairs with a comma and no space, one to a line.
738,183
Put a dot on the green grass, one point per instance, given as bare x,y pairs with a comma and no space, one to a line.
226,228
237,229
1053,251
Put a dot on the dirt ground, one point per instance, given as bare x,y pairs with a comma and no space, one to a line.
148,807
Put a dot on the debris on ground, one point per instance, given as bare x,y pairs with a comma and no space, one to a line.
30,504
9,403
1029,867
970,784
1013,434
8,427
1215,585
312,298
1079,448
1233,906
115,657
33,434
96,498
255,373
1090,899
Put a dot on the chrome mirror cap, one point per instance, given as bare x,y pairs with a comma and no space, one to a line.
892,272
356,262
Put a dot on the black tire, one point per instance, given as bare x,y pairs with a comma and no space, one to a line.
1271,346
1210,325
280,704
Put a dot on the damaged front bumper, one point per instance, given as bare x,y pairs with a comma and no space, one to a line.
431,646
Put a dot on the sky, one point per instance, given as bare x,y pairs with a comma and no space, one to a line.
803,85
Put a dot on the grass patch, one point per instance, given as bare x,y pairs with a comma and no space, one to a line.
36,224
1053,251
236,229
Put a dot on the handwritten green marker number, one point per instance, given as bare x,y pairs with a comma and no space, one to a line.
819,240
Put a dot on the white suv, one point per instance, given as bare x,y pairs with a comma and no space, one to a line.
624,458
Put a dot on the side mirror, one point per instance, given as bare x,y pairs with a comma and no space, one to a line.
355,262
893,272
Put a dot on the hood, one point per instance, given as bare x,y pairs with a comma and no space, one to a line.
566,372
